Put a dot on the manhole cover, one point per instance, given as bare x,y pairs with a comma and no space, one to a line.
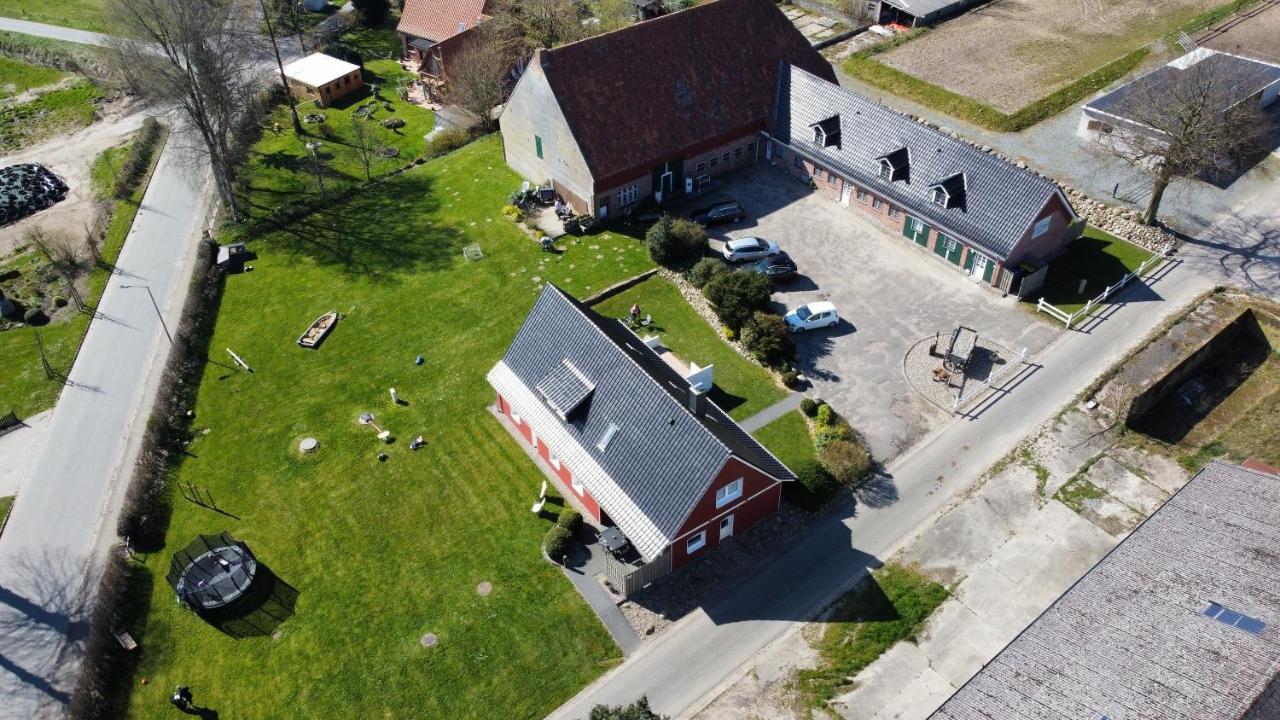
308,445
484,588
429,640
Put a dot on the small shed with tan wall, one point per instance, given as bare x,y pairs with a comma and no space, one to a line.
323,78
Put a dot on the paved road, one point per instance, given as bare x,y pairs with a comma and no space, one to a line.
1242,248
682,670
49,549
82,37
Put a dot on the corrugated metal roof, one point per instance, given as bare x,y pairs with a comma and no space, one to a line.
662,458
1000,199
928,9
1131,641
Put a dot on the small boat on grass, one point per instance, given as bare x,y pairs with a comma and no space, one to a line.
318,330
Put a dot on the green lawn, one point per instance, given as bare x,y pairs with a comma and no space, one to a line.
891,605
742,387
788,438
1099,258
383,552
81,14
16,77
53,113
24,388
375,43
6,504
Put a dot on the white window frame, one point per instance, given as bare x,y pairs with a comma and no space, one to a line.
695,542
894,211
950,245
863,196
628,195
553,458
886,170
728,493
1041,227
515,418
578,487
940,197
877,204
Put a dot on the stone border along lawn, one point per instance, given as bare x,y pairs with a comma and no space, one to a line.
1099,258
23,385
742,388
864,66
889,605
79,14
383,552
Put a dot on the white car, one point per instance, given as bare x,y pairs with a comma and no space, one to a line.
812,316
749,248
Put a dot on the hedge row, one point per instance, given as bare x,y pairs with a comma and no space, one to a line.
124,596
139,159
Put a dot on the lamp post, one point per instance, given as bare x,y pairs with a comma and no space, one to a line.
154,305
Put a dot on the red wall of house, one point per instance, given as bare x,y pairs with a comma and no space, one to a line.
761,495
1041,250
543,451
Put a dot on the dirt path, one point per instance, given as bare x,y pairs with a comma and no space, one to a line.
71,157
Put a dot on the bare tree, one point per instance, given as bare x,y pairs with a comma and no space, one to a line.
477,79
542,23
284,81
1192,123
291,16
614,14
367,143
185,54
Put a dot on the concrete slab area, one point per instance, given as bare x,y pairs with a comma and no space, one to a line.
18,449
1125,486
1156,469
890,294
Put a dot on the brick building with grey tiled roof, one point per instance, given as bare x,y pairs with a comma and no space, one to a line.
1181,620
628,438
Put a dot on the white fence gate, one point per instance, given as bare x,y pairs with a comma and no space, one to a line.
1070,319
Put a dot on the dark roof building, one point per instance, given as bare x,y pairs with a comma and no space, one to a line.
1181,620
644,445
987,203
617,108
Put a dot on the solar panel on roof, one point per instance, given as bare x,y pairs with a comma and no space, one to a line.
1228,616
1251,625
1213,610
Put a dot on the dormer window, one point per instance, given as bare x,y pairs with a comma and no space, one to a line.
896,165
940,197
950,193
827,132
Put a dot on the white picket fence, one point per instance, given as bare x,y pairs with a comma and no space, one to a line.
1070,319
964,398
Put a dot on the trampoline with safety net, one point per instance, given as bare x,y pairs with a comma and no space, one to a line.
219,578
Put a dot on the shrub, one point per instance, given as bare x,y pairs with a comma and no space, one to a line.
813,486
35,316
809,407
729,333
138,160
704,271
373,13
791,378
826,434
556,543
638,710
569,519
737,296
447,141
768,340
513,213
675,241
826,416
847,461
393,123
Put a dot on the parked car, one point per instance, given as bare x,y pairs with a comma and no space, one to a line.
725,212
778,267
812,316
749,248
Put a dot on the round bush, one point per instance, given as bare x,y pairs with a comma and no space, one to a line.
767,338
704,271
791,379
809,407
35,316
569,519
826,416
825,434
736,296
815,478
675,241
847,461
556,543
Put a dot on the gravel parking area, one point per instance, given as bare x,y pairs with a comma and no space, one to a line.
1008,53
890,295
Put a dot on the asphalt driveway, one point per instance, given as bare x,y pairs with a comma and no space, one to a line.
890,294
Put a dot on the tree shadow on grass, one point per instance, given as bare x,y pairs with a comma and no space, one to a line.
1086,260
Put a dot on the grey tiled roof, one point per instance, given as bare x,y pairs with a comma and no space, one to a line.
1230,78
662,456
1001,200
1130,640
564,389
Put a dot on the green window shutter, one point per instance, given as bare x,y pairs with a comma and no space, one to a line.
954,257
968,261
537,144
909,227
922,233
940,245
991,266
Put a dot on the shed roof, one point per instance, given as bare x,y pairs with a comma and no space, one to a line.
640,95
1231,78
1000,199
661,458
439,20
928,9
1136,638
318,69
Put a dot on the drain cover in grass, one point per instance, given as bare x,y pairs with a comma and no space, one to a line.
429,640
484,588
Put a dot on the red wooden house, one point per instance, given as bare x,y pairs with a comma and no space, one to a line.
630,439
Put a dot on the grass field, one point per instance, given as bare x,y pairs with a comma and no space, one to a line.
81,14
1099,258
6,504
17,77
52,113
24,388
742,387
890,605
788,439
383,552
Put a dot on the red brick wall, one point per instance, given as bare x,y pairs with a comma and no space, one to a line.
1044,248
562,472
760,497
741,151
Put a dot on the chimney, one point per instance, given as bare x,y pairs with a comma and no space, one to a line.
697,401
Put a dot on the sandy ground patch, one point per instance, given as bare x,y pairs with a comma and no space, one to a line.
1251,33
1011,52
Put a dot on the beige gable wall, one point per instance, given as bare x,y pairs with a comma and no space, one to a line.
532,111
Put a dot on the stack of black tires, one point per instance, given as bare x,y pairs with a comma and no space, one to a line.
28,189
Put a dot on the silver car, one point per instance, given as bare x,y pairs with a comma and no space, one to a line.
749,248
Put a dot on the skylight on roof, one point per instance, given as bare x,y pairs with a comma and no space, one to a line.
1251,625
607,437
